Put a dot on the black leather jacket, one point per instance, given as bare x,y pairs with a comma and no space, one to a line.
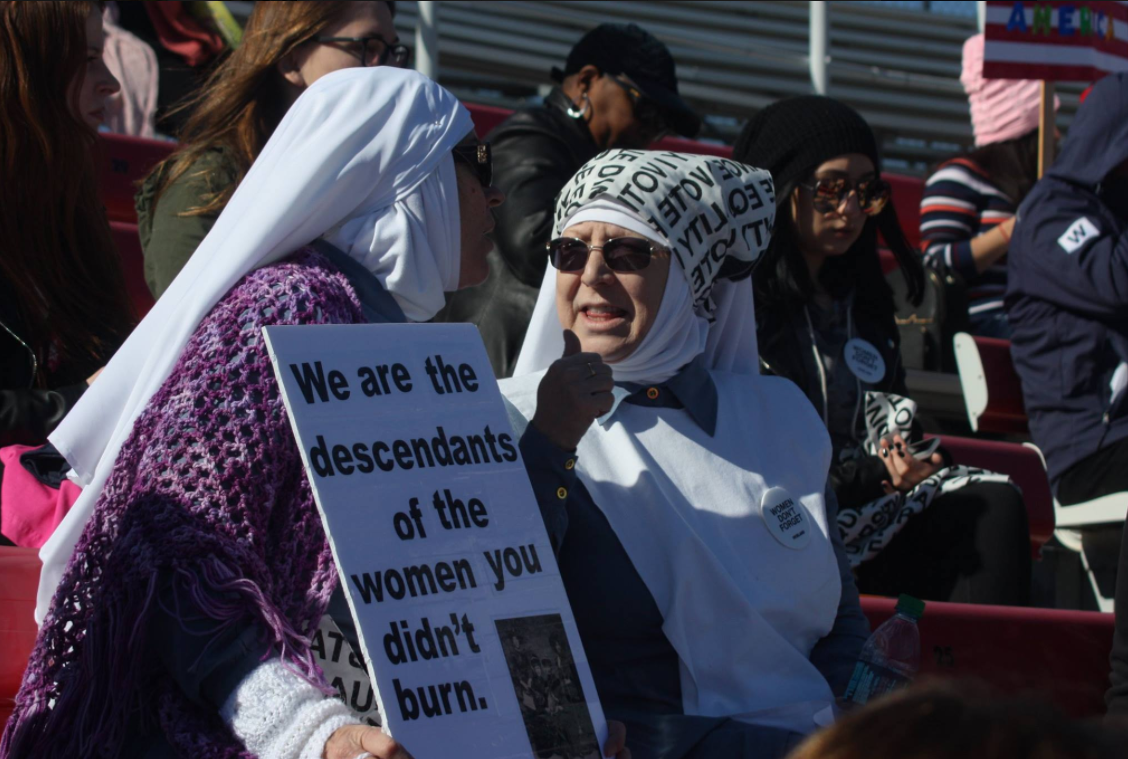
536,151
28,413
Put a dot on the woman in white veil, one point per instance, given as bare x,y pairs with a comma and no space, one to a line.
693,526
179,595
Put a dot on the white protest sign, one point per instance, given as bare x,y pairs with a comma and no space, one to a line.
464,623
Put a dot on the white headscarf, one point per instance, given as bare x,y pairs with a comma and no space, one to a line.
742,609
362,158
706,210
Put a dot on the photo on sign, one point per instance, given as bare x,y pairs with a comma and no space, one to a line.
548,687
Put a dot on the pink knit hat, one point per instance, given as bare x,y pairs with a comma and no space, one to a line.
1001,109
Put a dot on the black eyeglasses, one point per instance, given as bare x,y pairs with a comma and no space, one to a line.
378,54
828,195
646,111
479,157
620,253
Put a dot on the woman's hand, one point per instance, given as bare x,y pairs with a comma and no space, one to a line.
575,391
905,471
616,745
354,741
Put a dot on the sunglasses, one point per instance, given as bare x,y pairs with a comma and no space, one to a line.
374,51
646,111
620,253
828,195
479,157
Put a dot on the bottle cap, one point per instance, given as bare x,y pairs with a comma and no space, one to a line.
910,607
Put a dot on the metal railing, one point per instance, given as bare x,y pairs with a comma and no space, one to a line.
899,67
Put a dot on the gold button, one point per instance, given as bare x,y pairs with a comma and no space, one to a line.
570,464
652,393
561,493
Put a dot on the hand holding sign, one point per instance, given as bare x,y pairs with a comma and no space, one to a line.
905,470
352,741
575,391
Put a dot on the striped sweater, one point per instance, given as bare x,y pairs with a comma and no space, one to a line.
960,203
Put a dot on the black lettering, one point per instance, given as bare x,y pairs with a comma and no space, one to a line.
402,453
506,443
364,465
468,377
342,459
319,457
311,380
409,706
478,445
401,377
368,384
377,447
339,386
419,445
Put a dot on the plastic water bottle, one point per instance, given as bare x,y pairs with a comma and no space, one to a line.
891,657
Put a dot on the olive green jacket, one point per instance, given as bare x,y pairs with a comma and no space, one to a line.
168,236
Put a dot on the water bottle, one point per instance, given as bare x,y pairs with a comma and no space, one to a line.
891,657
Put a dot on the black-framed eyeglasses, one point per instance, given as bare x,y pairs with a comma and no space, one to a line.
374,50
646,111
829,195
620,253
479,157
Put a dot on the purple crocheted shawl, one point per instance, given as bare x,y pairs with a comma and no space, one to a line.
209,489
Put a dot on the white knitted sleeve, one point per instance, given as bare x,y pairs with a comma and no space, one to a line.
278,715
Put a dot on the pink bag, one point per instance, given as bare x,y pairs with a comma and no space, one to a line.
31,506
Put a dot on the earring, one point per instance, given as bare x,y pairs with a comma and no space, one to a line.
583,111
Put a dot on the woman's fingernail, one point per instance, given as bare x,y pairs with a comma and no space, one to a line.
884,453
901,454
898,446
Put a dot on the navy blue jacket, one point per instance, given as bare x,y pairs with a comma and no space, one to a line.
1067,288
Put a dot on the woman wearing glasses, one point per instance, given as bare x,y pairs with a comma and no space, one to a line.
286,48
694,531
911,523
200,569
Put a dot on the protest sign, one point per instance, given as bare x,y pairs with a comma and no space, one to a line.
1055,41
464,624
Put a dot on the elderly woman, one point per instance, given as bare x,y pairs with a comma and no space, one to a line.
693,526
182,589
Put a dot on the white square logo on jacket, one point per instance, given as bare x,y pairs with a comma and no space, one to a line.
1078,234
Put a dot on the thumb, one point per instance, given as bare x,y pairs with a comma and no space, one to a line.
571,343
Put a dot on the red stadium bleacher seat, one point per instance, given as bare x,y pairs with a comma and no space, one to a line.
19,582
123,162
1059,655
992,389
1022,464
907,192
133,262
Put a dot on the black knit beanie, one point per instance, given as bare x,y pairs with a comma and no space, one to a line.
791,137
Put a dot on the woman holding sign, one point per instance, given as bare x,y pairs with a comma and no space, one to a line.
911,522
695,534
179,596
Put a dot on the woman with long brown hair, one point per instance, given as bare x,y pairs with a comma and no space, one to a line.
286,48
63,303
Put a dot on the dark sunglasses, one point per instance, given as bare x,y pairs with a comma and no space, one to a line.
479,157
828,195
620,253
646,111
374,51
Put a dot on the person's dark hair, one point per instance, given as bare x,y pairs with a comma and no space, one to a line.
791,138
244,99
56,253
946,720
1012,165
781,277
